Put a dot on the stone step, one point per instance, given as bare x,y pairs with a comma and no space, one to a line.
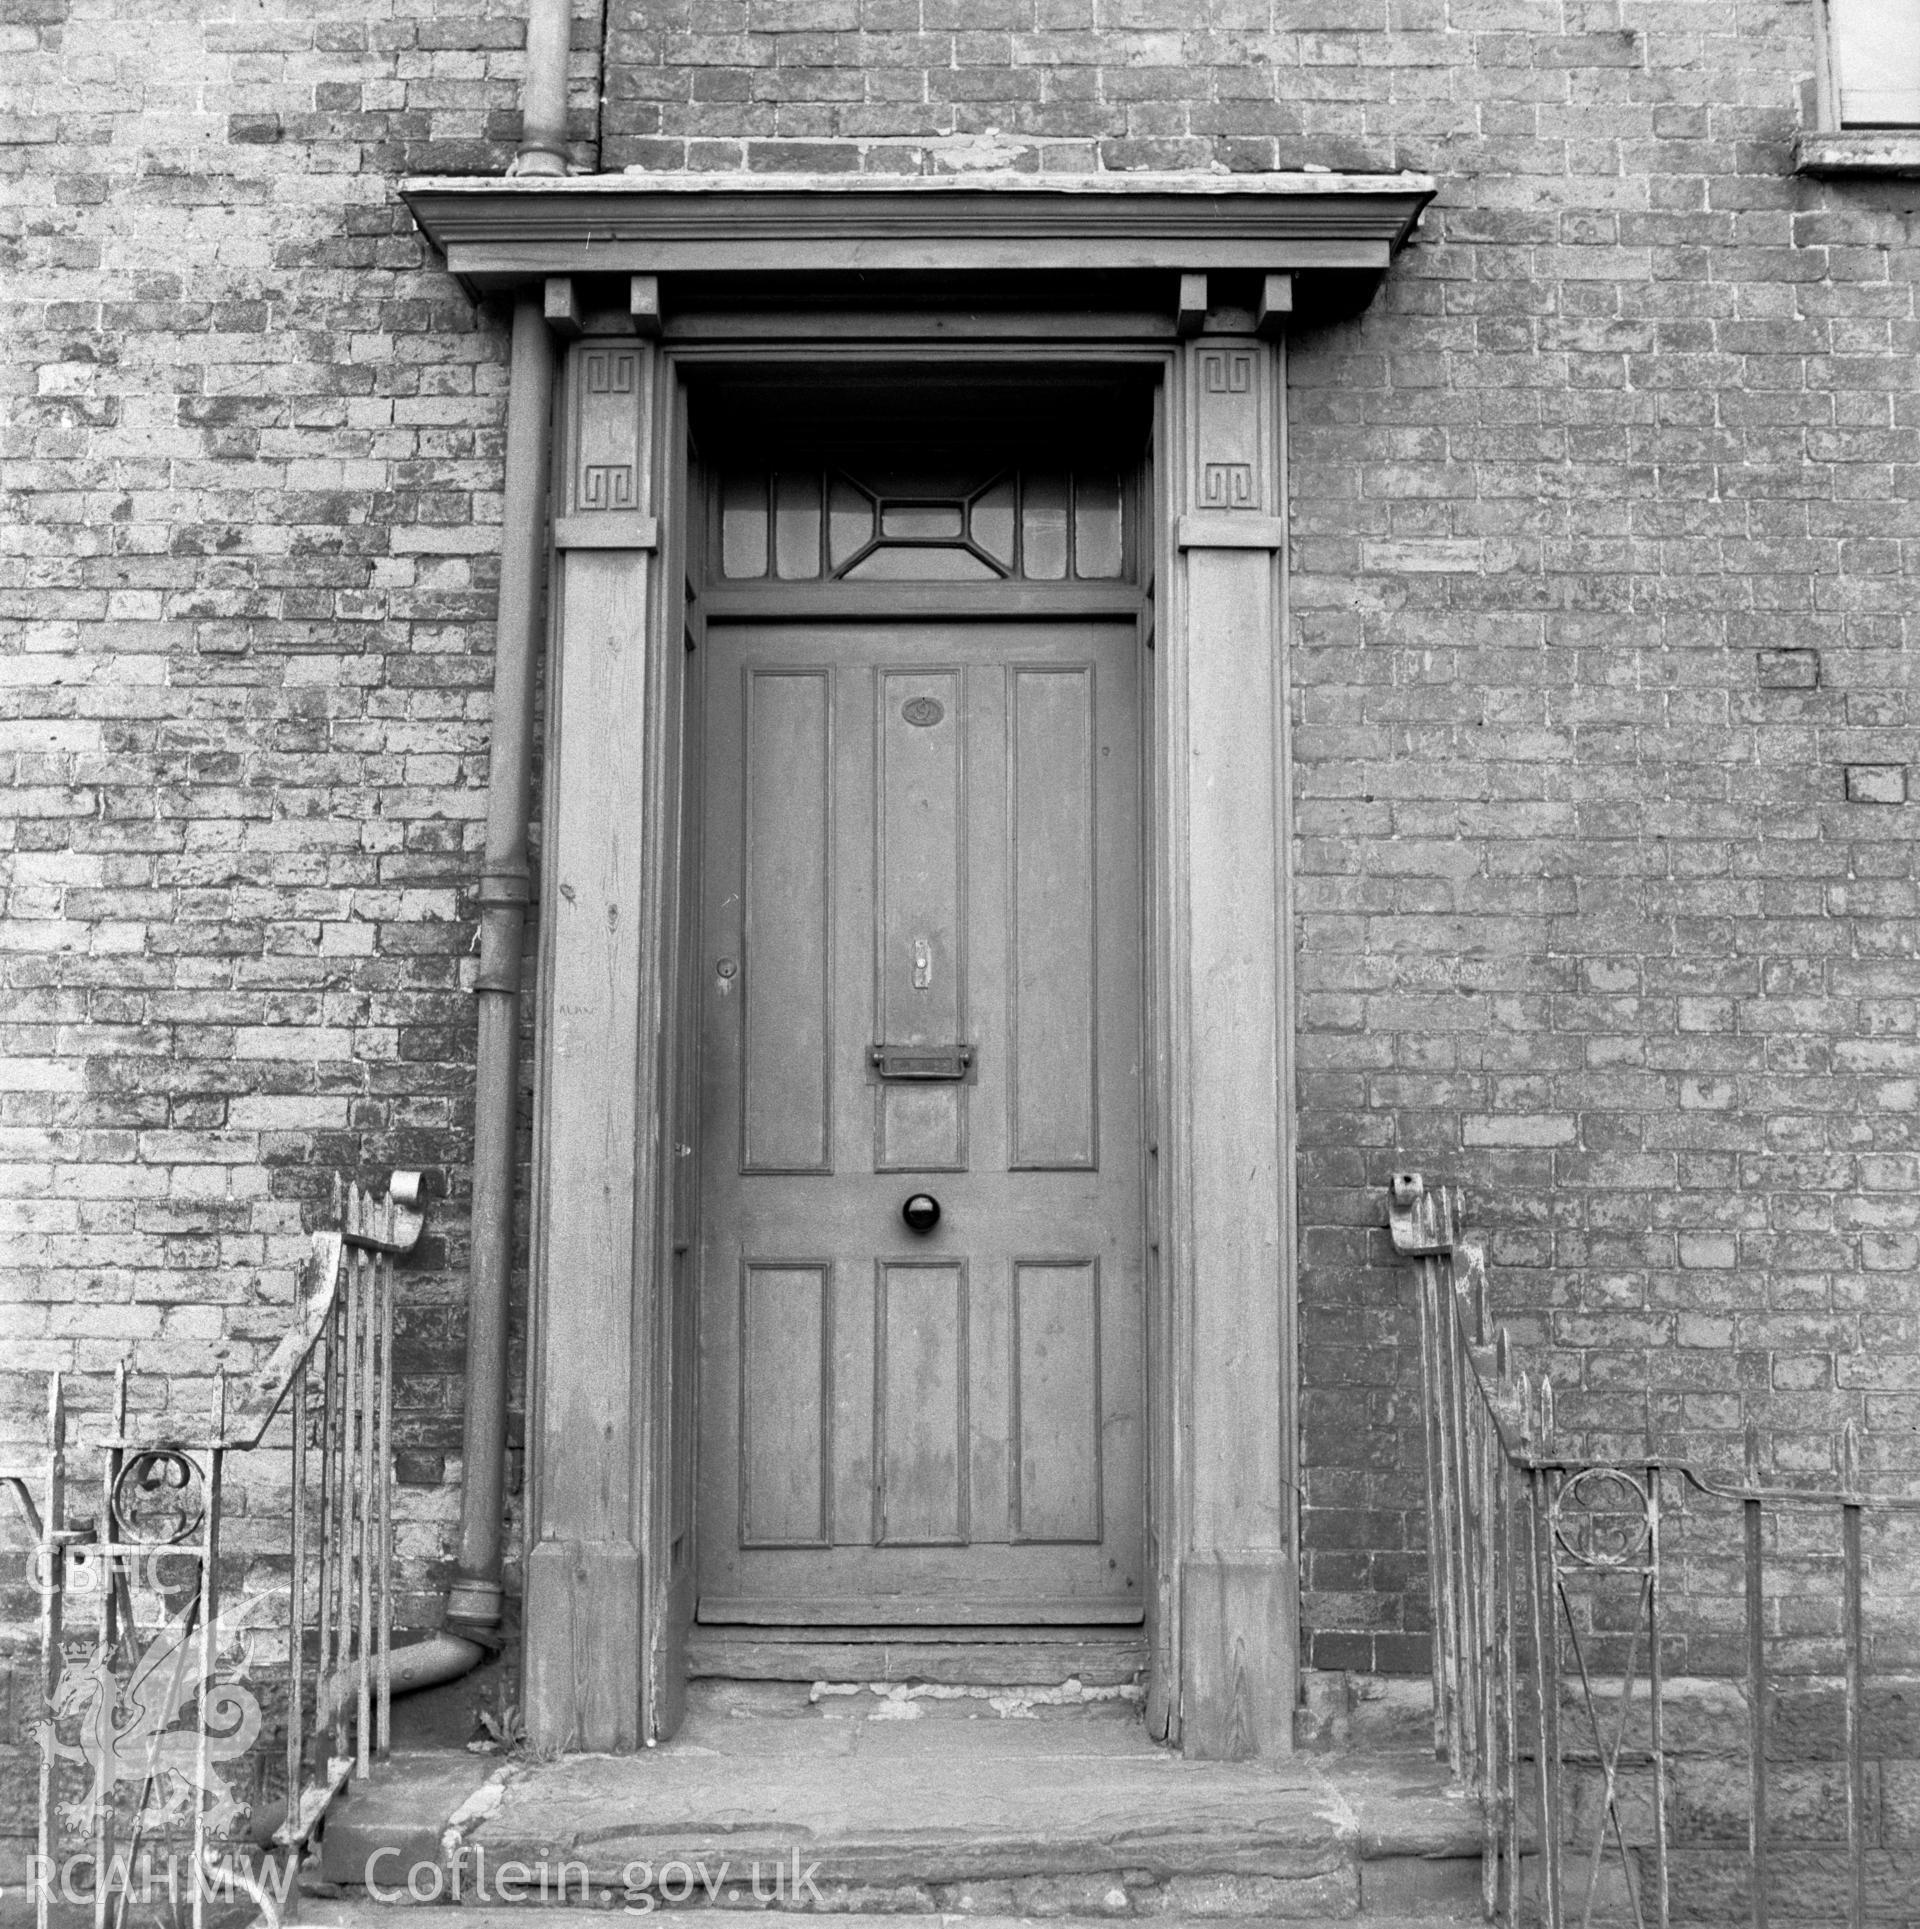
356,1914
1022,1807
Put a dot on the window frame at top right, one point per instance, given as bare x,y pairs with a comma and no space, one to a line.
1861,36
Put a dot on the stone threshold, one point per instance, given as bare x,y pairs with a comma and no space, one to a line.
839,1805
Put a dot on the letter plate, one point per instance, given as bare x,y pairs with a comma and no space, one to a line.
922,1061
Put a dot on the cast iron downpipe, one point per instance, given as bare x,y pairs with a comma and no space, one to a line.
504,889
470,1626
543,99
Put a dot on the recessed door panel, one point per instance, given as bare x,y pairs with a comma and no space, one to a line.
1054,1042
921,966
786,1402
921,1375
786,891
920,958
1056,1400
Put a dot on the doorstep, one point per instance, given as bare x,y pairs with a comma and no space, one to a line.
960,1802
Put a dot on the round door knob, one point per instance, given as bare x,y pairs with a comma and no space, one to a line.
921,1212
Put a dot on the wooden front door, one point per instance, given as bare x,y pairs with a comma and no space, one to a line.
920,973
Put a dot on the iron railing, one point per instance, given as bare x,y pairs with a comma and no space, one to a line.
1563,1586
152,1684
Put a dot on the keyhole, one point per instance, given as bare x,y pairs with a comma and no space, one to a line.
922,965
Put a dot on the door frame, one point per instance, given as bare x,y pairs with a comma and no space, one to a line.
615,1212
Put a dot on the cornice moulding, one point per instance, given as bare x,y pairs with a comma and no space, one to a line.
496,233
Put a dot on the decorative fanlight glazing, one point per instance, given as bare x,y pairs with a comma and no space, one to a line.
904,524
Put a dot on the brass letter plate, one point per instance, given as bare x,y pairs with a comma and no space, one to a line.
922,1061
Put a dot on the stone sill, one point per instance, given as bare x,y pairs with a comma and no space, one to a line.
1886,151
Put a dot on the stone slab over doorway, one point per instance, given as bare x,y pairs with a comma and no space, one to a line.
1188,283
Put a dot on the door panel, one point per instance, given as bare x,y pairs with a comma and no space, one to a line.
1056,1401
786,1080
921,838
786,1404
922,1366
1053,1047
920,955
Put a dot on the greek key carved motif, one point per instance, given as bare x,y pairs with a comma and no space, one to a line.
608,439
1227,485
606,485
1231,447
609,372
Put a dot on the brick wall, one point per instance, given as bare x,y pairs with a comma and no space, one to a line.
1605,517
252,449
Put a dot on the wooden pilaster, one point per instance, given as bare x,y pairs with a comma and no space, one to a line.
583,1588
1234,1250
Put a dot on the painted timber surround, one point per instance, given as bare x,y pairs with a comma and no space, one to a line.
1192,279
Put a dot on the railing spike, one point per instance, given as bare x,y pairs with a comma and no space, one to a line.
1753,1455
1850,1457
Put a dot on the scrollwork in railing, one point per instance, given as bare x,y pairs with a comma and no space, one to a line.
159,1496
1603,1517
149,1682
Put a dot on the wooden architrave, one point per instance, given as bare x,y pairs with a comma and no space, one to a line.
603,1640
